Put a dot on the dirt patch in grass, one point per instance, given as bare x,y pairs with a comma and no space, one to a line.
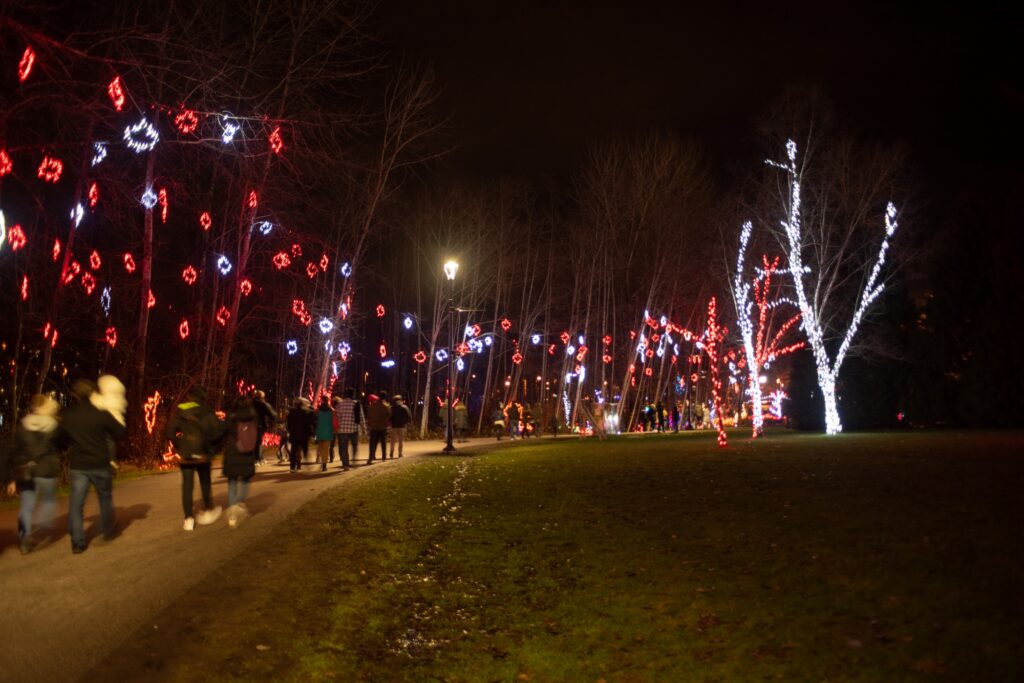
862,557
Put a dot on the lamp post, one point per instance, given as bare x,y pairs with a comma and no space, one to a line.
451,267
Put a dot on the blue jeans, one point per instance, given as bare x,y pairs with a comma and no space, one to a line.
344,440
238,489
103,481
45,492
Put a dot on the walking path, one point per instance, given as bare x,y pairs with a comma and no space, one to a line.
63,613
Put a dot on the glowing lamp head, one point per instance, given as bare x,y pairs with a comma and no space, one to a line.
451,267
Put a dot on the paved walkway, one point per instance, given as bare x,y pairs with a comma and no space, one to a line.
63,613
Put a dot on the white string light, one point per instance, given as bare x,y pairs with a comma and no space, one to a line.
224,265
99,153
141,137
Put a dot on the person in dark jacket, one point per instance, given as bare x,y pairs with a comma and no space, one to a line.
400,419
89,432
266,417
240,457
34,468
300,428
324,432
196,432
378,419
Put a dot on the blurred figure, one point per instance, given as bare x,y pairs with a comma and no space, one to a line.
461,420
324,432
90,432
33,467
676,416
195,432
240,456
265,418
378,419
400,419
300,427
349,415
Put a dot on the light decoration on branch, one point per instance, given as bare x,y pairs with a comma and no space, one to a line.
420,357
161,198
382,350
296,250
714,336
141,137
6,165
205,221
28,60
105,300
149,409
606,359
564,337
116,92
551,350
111,337
88,283
224,265
187,121
24,288
760,351
223,315
325,325
228,129
827,368
506,324
189,275
535,339
254,199
245,286
441,355
77,213
94,195
380,310
346,269
151,300
15,237
292,347
276,143
73,269
300,312
488,340
265,227
517,358
129,263
407,323
311,270
99,153
775,408
324,262
344,349
50,169
607,340
183,329
95,262
281,260
148,199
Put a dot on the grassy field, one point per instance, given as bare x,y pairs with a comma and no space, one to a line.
796,558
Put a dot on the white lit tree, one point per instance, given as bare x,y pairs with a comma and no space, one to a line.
817,285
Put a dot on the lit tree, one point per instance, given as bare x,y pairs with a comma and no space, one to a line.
761,343
816,284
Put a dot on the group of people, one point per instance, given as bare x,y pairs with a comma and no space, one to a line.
516,420
30,465
337,424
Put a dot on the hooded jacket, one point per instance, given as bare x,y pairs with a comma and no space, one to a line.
36,442
239,464
89,432
210,427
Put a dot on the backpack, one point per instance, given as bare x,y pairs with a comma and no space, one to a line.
189,437
245,436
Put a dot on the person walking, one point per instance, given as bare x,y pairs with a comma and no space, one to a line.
32,467
513,420
659,411
349,416
240,456
265,418
378,419
89,430
400,419
195,432
300,427
461,417
324,432
676,416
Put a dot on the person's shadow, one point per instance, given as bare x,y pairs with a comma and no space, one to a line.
123,518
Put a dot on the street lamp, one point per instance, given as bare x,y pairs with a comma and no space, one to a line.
451,267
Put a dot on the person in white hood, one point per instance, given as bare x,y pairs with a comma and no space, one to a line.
36,467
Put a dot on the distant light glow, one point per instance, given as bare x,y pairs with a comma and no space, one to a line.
535,339
387,363
407,323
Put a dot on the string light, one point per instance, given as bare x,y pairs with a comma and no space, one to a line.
300,312
141,137
148,198
346,269
324,262
607,340
420,357
105,300
488,340
149,409
517,358
50,169
224,265
245,287
183,329
88,283
276,143
24,288
407,323
228,129
380,310
151,300
95,262
116,92
265,227
72,272
77,213
186,121
205,221
714,338
28,59
6,165
223,315
506,324
311,270
296,250
112,337
254,199
551,350
441,355
162,200
326,325
189,275
129,263
292,346
99,153
281,260
94,195
387,363
344,349
535,339
382,351
460,365
15,237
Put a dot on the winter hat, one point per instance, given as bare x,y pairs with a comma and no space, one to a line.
44,405
398,397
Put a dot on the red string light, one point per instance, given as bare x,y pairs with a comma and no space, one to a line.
223,314
420,357
205,221
6,165
186,121
183,329
28,59
380,310
711,345
276,143
149,411
16,237
129,263
324,262
72,272
24,288
189,275
607,340
112,338
88,283
299,310
296,250
606,359
517,358
50,169
311,270
246,287
383,351
254,199
281,260
150,300
161,199
94,195
564,337
506,324
551,350
56,250
116,92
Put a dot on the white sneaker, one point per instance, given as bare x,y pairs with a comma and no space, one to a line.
209,516
232,517
190,524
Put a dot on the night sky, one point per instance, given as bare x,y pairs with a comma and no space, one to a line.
530,85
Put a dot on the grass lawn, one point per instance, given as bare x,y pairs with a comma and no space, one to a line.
797,558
